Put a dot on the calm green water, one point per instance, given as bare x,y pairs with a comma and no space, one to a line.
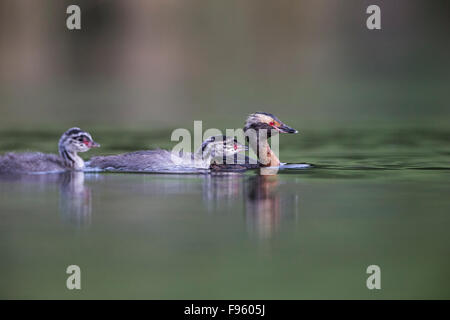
375,197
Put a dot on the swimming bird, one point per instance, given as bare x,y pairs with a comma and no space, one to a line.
258,122
164,160
258,128
71,142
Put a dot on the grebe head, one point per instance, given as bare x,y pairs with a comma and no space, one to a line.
258,128
267,121
77,140
218,146
73,141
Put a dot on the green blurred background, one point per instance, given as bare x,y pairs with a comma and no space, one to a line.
371,108
163,64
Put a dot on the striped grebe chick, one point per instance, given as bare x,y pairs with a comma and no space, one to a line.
163,160
71,142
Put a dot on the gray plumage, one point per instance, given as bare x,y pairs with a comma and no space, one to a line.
31,162
159,160
71,142
146,160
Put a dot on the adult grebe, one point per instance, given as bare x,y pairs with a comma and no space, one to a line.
72,141
164,160
255,124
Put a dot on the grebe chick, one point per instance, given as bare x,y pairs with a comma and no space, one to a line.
255,124
71,142
164,160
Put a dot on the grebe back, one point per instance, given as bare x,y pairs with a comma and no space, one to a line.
164,160
71,142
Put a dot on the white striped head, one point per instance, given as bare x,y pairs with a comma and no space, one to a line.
218,146
73,141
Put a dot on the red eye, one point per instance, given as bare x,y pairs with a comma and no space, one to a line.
86,142
272,123
235,146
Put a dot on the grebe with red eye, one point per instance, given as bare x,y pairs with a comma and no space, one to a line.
257,122
71,142
267,121
166,161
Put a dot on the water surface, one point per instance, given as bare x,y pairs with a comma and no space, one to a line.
374,197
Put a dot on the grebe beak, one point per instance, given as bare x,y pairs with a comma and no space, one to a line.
286,129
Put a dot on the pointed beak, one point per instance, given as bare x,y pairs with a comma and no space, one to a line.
94,144
286,129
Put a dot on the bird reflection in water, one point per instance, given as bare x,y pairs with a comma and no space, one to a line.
259,197
222,190
264,206
75,199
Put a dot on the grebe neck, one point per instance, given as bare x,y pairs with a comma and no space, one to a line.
261,147
71,158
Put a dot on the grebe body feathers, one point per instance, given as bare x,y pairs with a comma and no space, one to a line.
164,160
71,142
